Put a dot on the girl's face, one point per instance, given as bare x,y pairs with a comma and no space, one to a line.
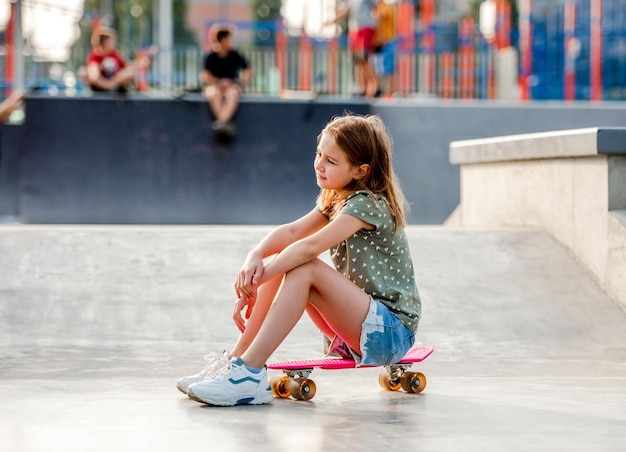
332,168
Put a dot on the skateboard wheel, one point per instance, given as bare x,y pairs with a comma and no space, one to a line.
302,388
413,382
386,382
280,386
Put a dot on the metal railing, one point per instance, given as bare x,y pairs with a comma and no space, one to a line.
472,73
323,69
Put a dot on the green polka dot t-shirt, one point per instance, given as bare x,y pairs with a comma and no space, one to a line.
377,260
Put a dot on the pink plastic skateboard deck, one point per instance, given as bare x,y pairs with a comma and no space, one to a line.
415,355
295,381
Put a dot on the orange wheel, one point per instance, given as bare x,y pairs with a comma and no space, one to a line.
302,388
280,386
413,382
385,382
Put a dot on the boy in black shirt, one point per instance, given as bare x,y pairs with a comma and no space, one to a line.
225,72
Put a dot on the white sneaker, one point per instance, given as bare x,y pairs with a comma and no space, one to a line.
233,385
216,362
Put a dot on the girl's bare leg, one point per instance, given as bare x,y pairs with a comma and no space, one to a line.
265,297
319,321
340,303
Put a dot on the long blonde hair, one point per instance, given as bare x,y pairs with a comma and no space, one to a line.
365,140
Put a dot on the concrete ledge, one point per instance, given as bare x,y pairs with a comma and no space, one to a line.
546,145
570,183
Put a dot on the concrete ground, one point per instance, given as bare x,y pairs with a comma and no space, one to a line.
97,323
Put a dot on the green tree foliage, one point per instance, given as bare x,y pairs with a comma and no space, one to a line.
182,35
133,20
265,11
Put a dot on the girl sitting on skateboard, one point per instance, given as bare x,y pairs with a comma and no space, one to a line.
368,304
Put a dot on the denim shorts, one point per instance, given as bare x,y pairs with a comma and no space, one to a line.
384,338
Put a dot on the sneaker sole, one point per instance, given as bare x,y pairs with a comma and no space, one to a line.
255,401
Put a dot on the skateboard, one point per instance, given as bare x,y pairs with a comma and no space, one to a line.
295,381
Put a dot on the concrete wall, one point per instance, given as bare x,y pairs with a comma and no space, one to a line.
156,161
107,160
560,182
423,131
10,148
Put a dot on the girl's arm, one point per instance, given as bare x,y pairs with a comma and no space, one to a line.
275,242
293,255
309,248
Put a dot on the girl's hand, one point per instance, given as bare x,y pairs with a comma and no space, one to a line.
240,305
248,278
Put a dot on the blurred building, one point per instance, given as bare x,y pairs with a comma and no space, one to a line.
453,10
298,12
201,12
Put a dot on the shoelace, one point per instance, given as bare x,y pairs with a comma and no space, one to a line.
214,359
222,373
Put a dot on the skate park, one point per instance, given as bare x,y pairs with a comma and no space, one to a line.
123,224
119,256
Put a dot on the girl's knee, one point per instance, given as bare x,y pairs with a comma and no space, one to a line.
315,264
307,269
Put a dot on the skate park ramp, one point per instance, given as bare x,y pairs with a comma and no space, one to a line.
159,163
97,323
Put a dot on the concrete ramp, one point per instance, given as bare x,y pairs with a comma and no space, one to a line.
569,183
97,323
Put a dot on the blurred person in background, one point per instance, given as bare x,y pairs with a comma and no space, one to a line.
9,105
384,48
362,28
107,70
225,72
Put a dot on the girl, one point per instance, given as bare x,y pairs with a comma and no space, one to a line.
368,304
